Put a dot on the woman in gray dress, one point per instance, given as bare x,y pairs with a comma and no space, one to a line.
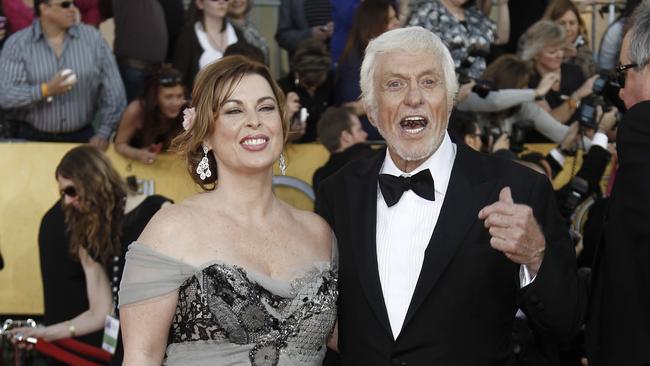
233,275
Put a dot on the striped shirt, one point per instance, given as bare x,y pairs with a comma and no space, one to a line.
27,61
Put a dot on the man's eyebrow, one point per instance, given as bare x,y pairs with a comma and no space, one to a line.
423,73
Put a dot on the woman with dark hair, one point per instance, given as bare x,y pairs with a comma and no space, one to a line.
150,123
373,18
465,30
204,39
97,216
233,275
565,14
238,13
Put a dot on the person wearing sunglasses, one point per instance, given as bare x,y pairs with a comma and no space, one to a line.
618,330
150,122
82,241
58,76
205,38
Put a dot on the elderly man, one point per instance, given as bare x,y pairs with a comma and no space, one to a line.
434,274
618,328
57,75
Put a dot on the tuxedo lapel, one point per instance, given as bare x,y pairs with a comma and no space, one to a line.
466,194
362,204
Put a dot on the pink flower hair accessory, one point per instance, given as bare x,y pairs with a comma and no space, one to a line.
189,115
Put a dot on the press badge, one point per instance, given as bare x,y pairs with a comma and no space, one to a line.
111,330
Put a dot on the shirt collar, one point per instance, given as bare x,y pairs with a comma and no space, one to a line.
439,164
37,30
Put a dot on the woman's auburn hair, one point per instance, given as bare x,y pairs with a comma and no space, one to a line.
213,86
102,193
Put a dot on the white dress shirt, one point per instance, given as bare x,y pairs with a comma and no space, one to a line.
210,54
404,231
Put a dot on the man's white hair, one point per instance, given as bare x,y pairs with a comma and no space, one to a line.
411,39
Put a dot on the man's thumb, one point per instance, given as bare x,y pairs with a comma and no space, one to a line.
505,195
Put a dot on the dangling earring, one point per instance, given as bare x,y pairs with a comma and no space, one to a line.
203,169
283,164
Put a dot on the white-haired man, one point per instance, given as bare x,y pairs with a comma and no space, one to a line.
435,274
618,328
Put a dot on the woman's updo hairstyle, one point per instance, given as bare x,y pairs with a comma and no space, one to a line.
213,86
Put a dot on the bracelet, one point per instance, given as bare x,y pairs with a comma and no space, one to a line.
573,103
71,328
44,90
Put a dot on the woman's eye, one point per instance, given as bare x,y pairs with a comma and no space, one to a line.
233,111
267,108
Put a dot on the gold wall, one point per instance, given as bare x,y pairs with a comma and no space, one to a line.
28,189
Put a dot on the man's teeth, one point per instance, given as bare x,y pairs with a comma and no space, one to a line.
414,130
413,119
254,142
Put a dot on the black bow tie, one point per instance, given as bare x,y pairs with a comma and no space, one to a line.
393,187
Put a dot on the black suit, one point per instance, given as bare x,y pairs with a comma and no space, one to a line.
619,326
464,303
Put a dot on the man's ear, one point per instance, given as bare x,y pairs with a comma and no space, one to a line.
345,137
370,113
468,140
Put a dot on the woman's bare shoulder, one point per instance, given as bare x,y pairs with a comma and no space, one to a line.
171,228
314,228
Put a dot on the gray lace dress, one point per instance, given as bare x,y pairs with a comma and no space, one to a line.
227,316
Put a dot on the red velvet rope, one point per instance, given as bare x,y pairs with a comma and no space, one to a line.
60,354
85,349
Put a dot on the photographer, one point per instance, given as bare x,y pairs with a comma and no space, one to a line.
544,45
618,326
510,102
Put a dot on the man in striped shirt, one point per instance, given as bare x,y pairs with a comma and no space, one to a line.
51,104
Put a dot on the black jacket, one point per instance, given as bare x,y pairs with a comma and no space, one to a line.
463,307
618,329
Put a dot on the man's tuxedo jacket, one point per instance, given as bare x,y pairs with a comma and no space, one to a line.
467,294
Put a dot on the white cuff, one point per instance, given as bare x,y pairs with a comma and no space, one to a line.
600,139
557,155
524,276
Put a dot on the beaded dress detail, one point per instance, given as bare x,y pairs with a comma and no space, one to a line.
226,315
222,303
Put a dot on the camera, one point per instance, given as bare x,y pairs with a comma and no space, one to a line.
482,87
604,94
517,135
572,195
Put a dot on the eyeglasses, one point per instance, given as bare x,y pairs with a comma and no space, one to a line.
621,73
170,80
69,191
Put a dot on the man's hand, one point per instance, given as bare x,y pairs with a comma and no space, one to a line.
501,143
571,139
99,142
58,85
514,231
322,32
292,104
546,84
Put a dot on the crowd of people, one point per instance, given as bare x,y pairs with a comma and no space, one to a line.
436,237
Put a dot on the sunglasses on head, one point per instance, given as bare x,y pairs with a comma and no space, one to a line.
170,80
621,73
64,4
69,191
